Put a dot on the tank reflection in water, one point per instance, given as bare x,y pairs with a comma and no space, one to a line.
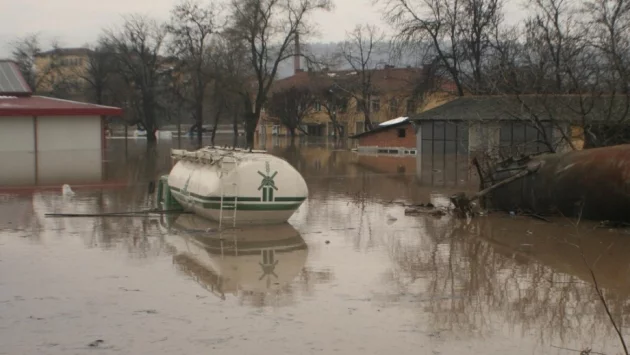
252,260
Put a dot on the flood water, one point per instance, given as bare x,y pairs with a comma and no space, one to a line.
349,274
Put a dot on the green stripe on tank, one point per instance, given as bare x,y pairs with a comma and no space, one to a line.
240,198
214,205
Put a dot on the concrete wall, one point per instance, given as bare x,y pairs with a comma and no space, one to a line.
16,134
69,133
389,138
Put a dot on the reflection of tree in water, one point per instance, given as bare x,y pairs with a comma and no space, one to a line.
470,286
289,294
140,236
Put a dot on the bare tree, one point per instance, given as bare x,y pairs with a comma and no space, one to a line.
432,21
24,52
268,28
456,32
609,30
137,45
290,106
95,74
334,101
359,51
233,72
41,69
192,27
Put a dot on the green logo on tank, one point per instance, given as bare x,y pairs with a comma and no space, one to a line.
267,185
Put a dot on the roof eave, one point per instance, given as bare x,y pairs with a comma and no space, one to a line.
6,112
380,129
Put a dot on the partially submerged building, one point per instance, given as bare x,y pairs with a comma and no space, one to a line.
44,136
497,125
396,136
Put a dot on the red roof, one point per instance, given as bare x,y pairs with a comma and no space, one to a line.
48,106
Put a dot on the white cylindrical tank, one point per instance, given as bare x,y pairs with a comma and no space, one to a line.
236,186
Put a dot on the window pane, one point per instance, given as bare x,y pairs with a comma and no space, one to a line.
451,131
438,130
427,147
427,130
506,132
518,132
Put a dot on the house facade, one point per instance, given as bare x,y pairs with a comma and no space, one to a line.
394,92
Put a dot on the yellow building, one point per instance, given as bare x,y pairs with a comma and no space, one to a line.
397,92
61,71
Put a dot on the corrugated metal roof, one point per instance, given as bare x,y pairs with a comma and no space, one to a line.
511,107
11,80
48,106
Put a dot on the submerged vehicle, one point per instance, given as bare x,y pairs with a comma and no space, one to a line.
234,186
591,183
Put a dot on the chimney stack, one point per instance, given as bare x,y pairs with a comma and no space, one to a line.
297,56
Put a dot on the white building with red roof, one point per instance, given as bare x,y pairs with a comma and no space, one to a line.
48,141
37,123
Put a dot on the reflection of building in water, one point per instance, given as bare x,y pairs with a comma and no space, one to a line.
257,259
41,170
427,170
16,212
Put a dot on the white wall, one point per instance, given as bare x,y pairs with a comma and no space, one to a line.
69,133
17,168
69,167
16,134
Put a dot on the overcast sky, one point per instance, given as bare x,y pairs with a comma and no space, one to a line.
76,22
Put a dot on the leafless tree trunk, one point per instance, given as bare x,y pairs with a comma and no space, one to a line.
267,28
137,46
191,27
359,51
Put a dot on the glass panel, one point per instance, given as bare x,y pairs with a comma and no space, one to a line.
427,130
438,147
518,132
506,132
450,131
438,130
451,147
427,147
531,133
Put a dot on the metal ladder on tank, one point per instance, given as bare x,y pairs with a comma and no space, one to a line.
227,209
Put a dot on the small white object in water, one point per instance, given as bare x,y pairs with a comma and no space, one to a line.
66,190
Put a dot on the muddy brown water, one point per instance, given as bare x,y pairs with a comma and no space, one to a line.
350,273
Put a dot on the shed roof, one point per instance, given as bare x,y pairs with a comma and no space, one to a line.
512,107
48,106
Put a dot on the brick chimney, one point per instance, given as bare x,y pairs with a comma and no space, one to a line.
297,55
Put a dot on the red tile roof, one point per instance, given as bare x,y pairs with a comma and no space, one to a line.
48,106
383,80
